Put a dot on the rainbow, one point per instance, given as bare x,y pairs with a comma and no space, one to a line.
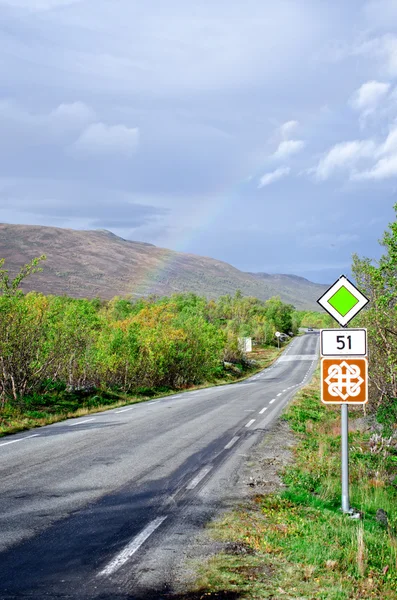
144,282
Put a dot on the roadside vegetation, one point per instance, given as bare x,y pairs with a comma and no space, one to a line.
296,543
61,356
316,320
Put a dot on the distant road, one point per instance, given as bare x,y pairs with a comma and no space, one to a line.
97,507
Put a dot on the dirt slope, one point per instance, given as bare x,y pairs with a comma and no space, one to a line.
99,263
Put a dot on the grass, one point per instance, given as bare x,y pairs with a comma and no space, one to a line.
297,543
57,405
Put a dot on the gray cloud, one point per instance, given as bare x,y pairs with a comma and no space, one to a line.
99,140
71,202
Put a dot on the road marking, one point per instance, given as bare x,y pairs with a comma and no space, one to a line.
250,410
21,439
250,423
124,409
232,442
295,357
263,410
271,401
81,422
280,394
284,391
132,547
198,478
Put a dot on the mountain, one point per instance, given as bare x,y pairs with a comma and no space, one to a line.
99,263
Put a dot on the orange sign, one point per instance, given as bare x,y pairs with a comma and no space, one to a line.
344,380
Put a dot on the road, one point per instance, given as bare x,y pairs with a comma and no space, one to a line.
101,506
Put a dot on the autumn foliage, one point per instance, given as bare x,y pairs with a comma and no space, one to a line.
124,345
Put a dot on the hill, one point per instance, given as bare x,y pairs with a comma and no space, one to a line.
99,263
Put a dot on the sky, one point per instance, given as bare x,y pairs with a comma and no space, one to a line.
260,133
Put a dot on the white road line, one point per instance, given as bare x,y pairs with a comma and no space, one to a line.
21,439
280,394
132,547
232,442
250,410
198,478
271,401
284,391
81,422
263,410
250,423
124,409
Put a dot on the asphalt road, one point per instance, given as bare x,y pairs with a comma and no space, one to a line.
101,506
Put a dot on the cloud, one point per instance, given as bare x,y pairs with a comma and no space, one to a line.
164,50
69,202
99,139
72,114
19,127
269,178
288,148
77,112
385,168
288,128
384,50
368,97
390,144
344,156
349,156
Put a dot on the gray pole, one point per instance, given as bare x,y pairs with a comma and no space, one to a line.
345,458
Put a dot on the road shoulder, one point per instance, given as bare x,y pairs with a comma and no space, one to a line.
259,474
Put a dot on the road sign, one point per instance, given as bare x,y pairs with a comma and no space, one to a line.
277,334
343,301
343,342
344,380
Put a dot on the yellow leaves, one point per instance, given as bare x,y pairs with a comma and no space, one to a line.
154,315
37,304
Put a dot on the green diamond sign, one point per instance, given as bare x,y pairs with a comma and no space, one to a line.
343,301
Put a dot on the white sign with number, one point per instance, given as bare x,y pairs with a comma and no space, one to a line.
343,342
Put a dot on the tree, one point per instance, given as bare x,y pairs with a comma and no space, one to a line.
10,287
378,281
280,314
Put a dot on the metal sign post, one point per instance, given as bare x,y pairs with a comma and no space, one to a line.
345,457
278,334
344,376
